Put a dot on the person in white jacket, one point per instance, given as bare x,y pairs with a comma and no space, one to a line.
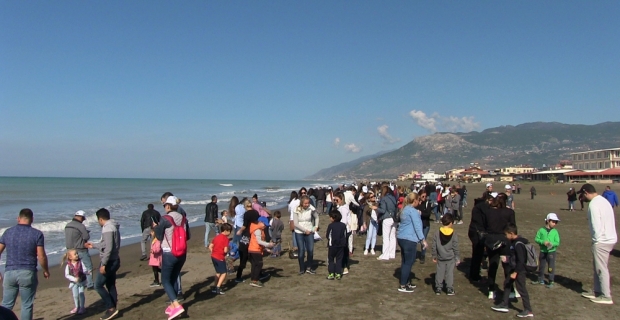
76,274
604,237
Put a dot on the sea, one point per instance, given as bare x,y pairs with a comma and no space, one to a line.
55,200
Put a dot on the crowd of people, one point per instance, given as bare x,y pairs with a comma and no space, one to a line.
402,216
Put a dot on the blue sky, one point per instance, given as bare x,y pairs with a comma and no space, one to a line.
281,89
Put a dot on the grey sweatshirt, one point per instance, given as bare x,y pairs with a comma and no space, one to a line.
76,235
445,246
110,242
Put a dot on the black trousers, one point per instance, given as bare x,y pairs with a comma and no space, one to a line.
156,271
334,259
494,262
243,259
520,286
345,258
256,260
477,255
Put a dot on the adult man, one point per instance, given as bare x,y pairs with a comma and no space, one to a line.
24,245
488,191
533,193
603,231
320,200
510,198
611,197
210,219
149,216
110,262
76,236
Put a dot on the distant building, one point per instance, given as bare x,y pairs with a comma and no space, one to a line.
516,170
596,159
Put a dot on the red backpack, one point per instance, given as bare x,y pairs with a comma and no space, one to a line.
178,247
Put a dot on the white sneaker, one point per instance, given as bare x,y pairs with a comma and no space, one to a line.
365,252
372,251
517,295
345,271
492,295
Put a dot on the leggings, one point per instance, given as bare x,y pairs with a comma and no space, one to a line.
156,271
243,258
256,260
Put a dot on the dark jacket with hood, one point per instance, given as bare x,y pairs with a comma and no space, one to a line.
518,255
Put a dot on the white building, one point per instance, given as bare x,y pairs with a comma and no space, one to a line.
596,159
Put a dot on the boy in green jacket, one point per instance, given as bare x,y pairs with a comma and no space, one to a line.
549,239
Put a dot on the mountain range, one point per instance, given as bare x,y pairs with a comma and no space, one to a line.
535,144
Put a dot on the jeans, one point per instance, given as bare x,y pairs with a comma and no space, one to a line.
425,231
146,236
88,266
546,263
436,212
170,269
305,242
208,227
25,283
236,238
571,205
371,235
108,294
319,206
78,295
294,240
407,253
329,206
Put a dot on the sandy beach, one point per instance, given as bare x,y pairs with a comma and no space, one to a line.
369,291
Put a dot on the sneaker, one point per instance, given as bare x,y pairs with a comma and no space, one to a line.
500,308
175,312
525,314
346,271
311,271
450,292
213,289
219,291
550,285
338,276
365,252
331,276
602,300
256,284
406,289
239,280
517,294
143,258
438,291
109,314
538,282
492,296
590,295
422,260
412,286
81,311
460,222
168,309
155,284
301,273
372,252
74,310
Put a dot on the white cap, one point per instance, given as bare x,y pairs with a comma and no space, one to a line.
438,187
489,184
507,187
553,216
171,200
417,185
494,194
392,187
81,213
438,183
364,189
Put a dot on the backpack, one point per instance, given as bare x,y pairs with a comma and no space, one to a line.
178,247
531,264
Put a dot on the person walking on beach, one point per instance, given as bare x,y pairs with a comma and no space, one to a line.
304,232
604,237
76,236
24,245
293,203
110,262
172,261
211,211
181,211
149,216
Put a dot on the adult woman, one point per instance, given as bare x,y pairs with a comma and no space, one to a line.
304,232
496,217
171,265
311,194
409,235
387,212
244,238
180,210
329,195
234,201
262,211
370,223
293,203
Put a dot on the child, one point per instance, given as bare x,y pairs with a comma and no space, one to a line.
224,218
231,257
256,247
277,226
219,248
549,239
155,259
76,274
336,236
446,254
517,271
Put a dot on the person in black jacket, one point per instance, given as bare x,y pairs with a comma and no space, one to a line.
517,273
211,217
426,209
149,216
336,236
477,234
496,217
320,200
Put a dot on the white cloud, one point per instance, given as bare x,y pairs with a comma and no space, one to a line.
337,142
435,122
423,121
385,135
352,148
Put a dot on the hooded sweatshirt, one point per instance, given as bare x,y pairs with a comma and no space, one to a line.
445,245
110,242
